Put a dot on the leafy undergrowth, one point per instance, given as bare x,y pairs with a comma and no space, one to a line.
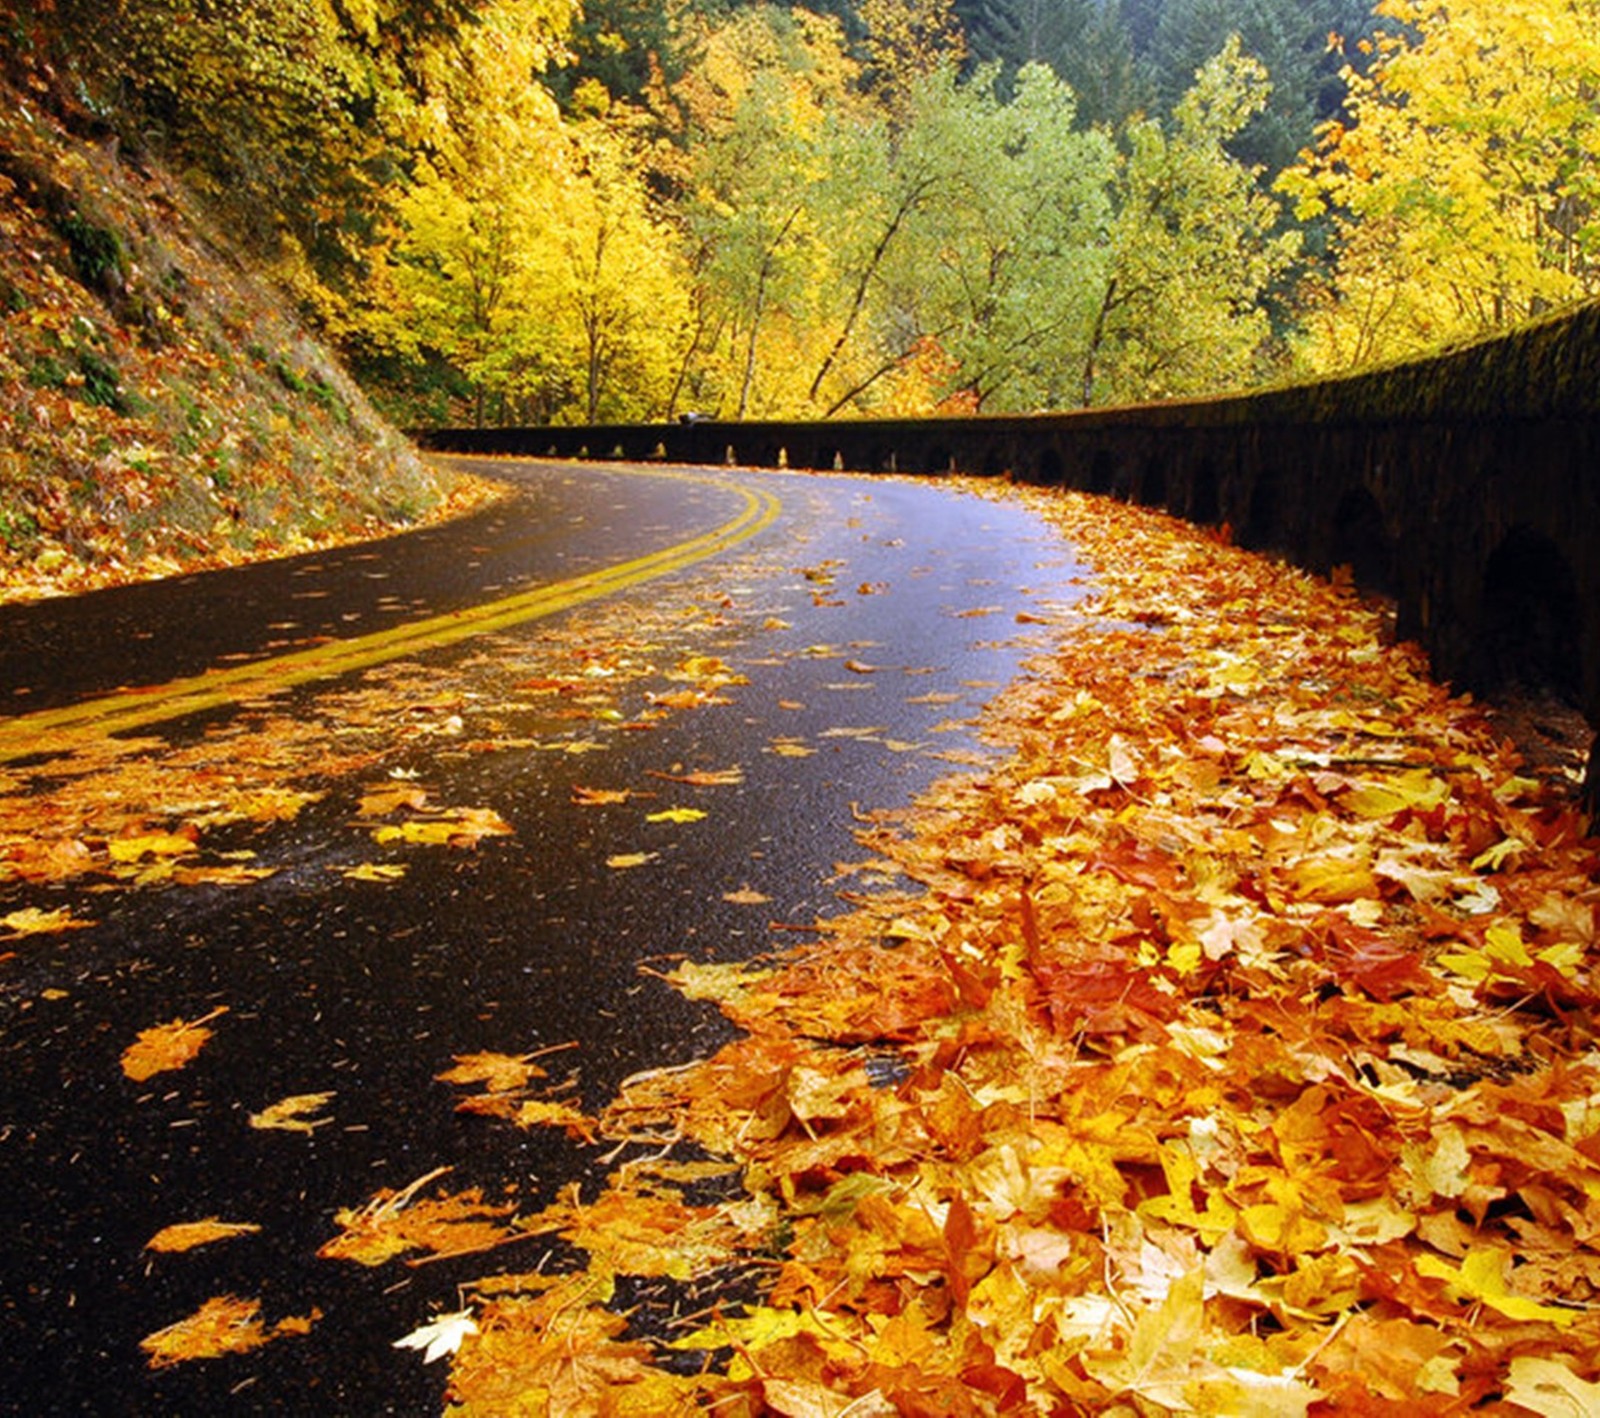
1235,1055
159,412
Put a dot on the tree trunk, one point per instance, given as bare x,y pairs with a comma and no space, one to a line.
1095,341
1591,787
767,259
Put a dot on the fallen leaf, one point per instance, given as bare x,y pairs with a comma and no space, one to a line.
187,1235
599,797
745,896
225,874
460,827
374,872
167,1046
622,861
676,814
395,1222
136,848
500,1073
1550,1389
440,1336
225,1324
293,1114
704,778
1482,1276
542,1112
32,920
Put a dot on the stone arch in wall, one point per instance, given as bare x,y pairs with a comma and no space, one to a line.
1205,497
1102,472
1530,623
1152,486
1264,509
1360,540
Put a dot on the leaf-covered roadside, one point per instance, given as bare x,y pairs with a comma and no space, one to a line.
159,410
1233,1054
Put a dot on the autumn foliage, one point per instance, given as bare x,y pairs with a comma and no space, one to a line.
1232,1053
160,410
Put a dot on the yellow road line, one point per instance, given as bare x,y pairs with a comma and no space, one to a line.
54,731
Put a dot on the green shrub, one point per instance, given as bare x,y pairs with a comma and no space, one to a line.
97,252
47,372
101,383
16,528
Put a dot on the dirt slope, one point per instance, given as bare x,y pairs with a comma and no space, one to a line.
160,407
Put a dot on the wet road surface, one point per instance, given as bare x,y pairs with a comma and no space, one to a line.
869,620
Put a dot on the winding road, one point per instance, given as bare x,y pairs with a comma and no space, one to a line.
670,693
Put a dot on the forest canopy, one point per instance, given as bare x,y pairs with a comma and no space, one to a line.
530,211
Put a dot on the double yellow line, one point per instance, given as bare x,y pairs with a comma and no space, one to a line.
55,731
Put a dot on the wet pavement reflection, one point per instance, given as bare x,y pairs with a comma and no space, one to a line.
870,625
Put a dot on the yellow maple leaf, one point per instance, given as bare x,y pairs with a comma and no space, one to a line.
1419,790
676,814
543,1112
31,920
127,850
375,871
1177,1208
394,1222
167,1046
499,1073
293,1114
1482,1276
463,827
225,1324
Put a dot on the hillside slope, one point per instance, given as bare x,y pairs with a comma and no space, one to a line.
160,408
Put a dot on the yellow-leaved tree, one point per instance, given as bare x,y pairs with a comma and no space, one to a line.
623,286
1464,189
475,242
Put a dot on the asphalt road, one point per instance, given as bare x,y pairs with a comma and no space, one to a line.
868,619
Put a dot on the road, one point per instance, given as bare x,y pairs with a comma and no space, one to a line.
454,792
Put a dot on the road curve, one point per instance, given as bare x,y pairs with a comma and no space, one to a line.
859,631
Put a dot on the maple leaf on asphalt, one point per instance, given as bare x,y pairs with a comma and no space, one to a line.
390,798
703,778
500,1073
599,797
32,920
459,827
374,872
395,1222
225,1324
137,847
676,814
293,1114
167,1046
187,1235
544,1112
440,1336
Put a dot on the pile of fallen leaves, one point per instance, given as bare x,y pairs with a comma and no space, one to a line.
159,409
1233,1053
